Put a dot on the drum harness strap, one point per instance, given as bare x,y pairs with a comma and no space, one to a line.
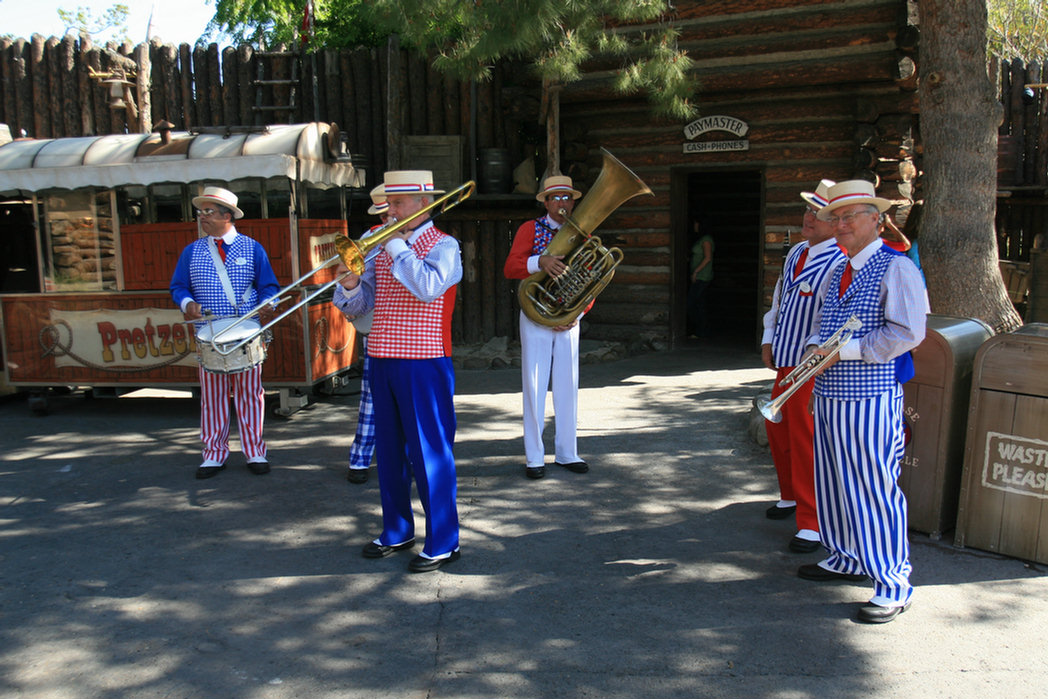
223,276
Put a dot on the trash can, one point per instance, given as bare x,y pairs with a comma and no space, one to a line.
1003,505
935,415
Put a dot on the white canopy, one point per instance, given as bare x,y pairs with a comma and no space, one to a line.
295,151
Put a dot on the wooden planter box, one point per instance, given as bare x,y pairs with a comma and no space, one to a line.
936,415
1004,489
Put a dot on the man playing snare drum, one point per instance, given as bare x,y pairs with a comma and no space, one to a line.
225,274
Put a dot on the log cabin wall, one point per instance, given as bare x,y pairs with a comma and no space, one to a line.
827,90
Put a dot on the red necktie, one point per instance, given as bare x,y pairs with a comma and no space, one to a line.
222,250
800,263
845,279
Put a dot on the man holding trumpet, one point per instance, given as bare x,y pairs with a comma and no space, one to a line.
857,404
410,284
787,327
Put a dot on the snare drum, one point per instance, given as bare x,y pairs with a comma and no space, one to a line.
212,354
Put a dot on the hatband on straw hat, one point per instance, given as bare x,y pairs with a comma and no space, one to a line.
222,197
852,192
820,197
379,205
409,182
556,184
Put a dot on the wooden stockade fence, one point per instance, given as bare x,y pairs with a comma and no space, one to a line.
48,93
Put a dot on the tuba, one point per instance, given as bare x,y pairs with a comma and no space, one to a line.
558,301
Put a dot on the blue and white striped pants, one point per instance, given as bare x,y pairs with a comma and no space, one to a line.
862,511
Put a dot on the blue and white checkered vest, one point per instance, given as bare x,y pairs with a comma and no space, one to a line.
240,266
856,379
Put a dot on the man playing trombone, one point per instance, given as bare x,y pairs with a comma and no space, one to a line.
787,327
857,405
410,283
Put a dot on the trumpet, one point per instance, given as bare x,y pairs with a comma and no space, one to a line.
354,254
809,367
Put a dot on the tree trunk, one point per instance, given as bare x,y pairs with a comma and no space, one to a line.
959,118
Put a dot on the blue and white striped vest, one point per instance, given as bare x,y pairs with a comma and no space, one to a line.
797,308
856,379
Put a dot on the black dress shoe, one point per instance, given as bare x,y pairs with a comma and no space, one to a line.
814,571
421,564
535,471
575,466
357,475
203,472
776,512
876,614
799,545
259,468
376,550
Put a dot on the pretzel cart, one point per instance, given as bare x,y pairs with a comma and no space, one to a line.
92,228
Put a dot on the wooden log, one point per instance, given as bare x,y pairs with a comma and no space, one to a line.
99,96
1017,122
230,87
434,101
394,104
168,57
245,74
908,39
12,73
864,159
143,89
1030,118
216,105
333,88
452,106
38,71
1042,133
380,88
185,74
157,95
54,93
418,116
68,99
202,106
363,139
895,128
485,114
866,135
350,91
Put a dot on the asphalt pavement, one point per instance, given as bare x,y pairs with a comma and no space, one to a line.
654,575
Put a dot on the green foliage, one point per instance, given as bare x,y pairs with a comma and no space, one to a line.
555,36
1017,29
81,21
262,23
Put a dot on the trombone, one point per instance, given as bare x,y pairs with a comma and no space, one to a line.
354,254
809,367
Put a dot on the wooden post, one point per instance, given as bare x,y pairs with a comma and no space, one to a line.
434,100
172,94
38,72
143,88
245,74
99,102
200,105
214,87
185,72
394,104
332,94
70,112
230,87
54,91
84,88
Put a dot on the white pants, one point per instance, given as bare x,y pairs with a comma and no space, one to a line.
544,351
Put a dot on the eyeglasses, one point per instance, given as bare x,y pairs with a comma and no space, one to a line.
204,213
810,210
560,197
847,219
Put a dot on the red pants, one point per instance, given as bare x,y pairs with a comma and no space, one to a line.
791,449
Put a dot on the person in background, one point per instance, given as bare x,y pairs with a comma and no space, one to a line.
363,447
787,327
700,276
544,349
223,274
857,405
411,286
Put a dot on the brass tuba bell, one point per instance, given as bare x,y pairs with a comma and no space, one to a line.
558,301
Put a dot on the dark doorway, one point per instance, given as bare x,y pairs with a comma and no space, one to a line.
727,204
18,267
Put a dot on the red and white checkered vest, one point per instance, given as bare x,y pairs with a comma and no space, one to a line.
404,327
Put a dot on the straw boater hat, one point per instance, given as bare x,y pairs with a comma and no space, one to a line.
222,197
379,205
819,197
555,185
852,192
409,182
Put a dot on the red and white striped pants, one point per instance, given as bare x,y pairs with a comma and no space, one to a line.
214,413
